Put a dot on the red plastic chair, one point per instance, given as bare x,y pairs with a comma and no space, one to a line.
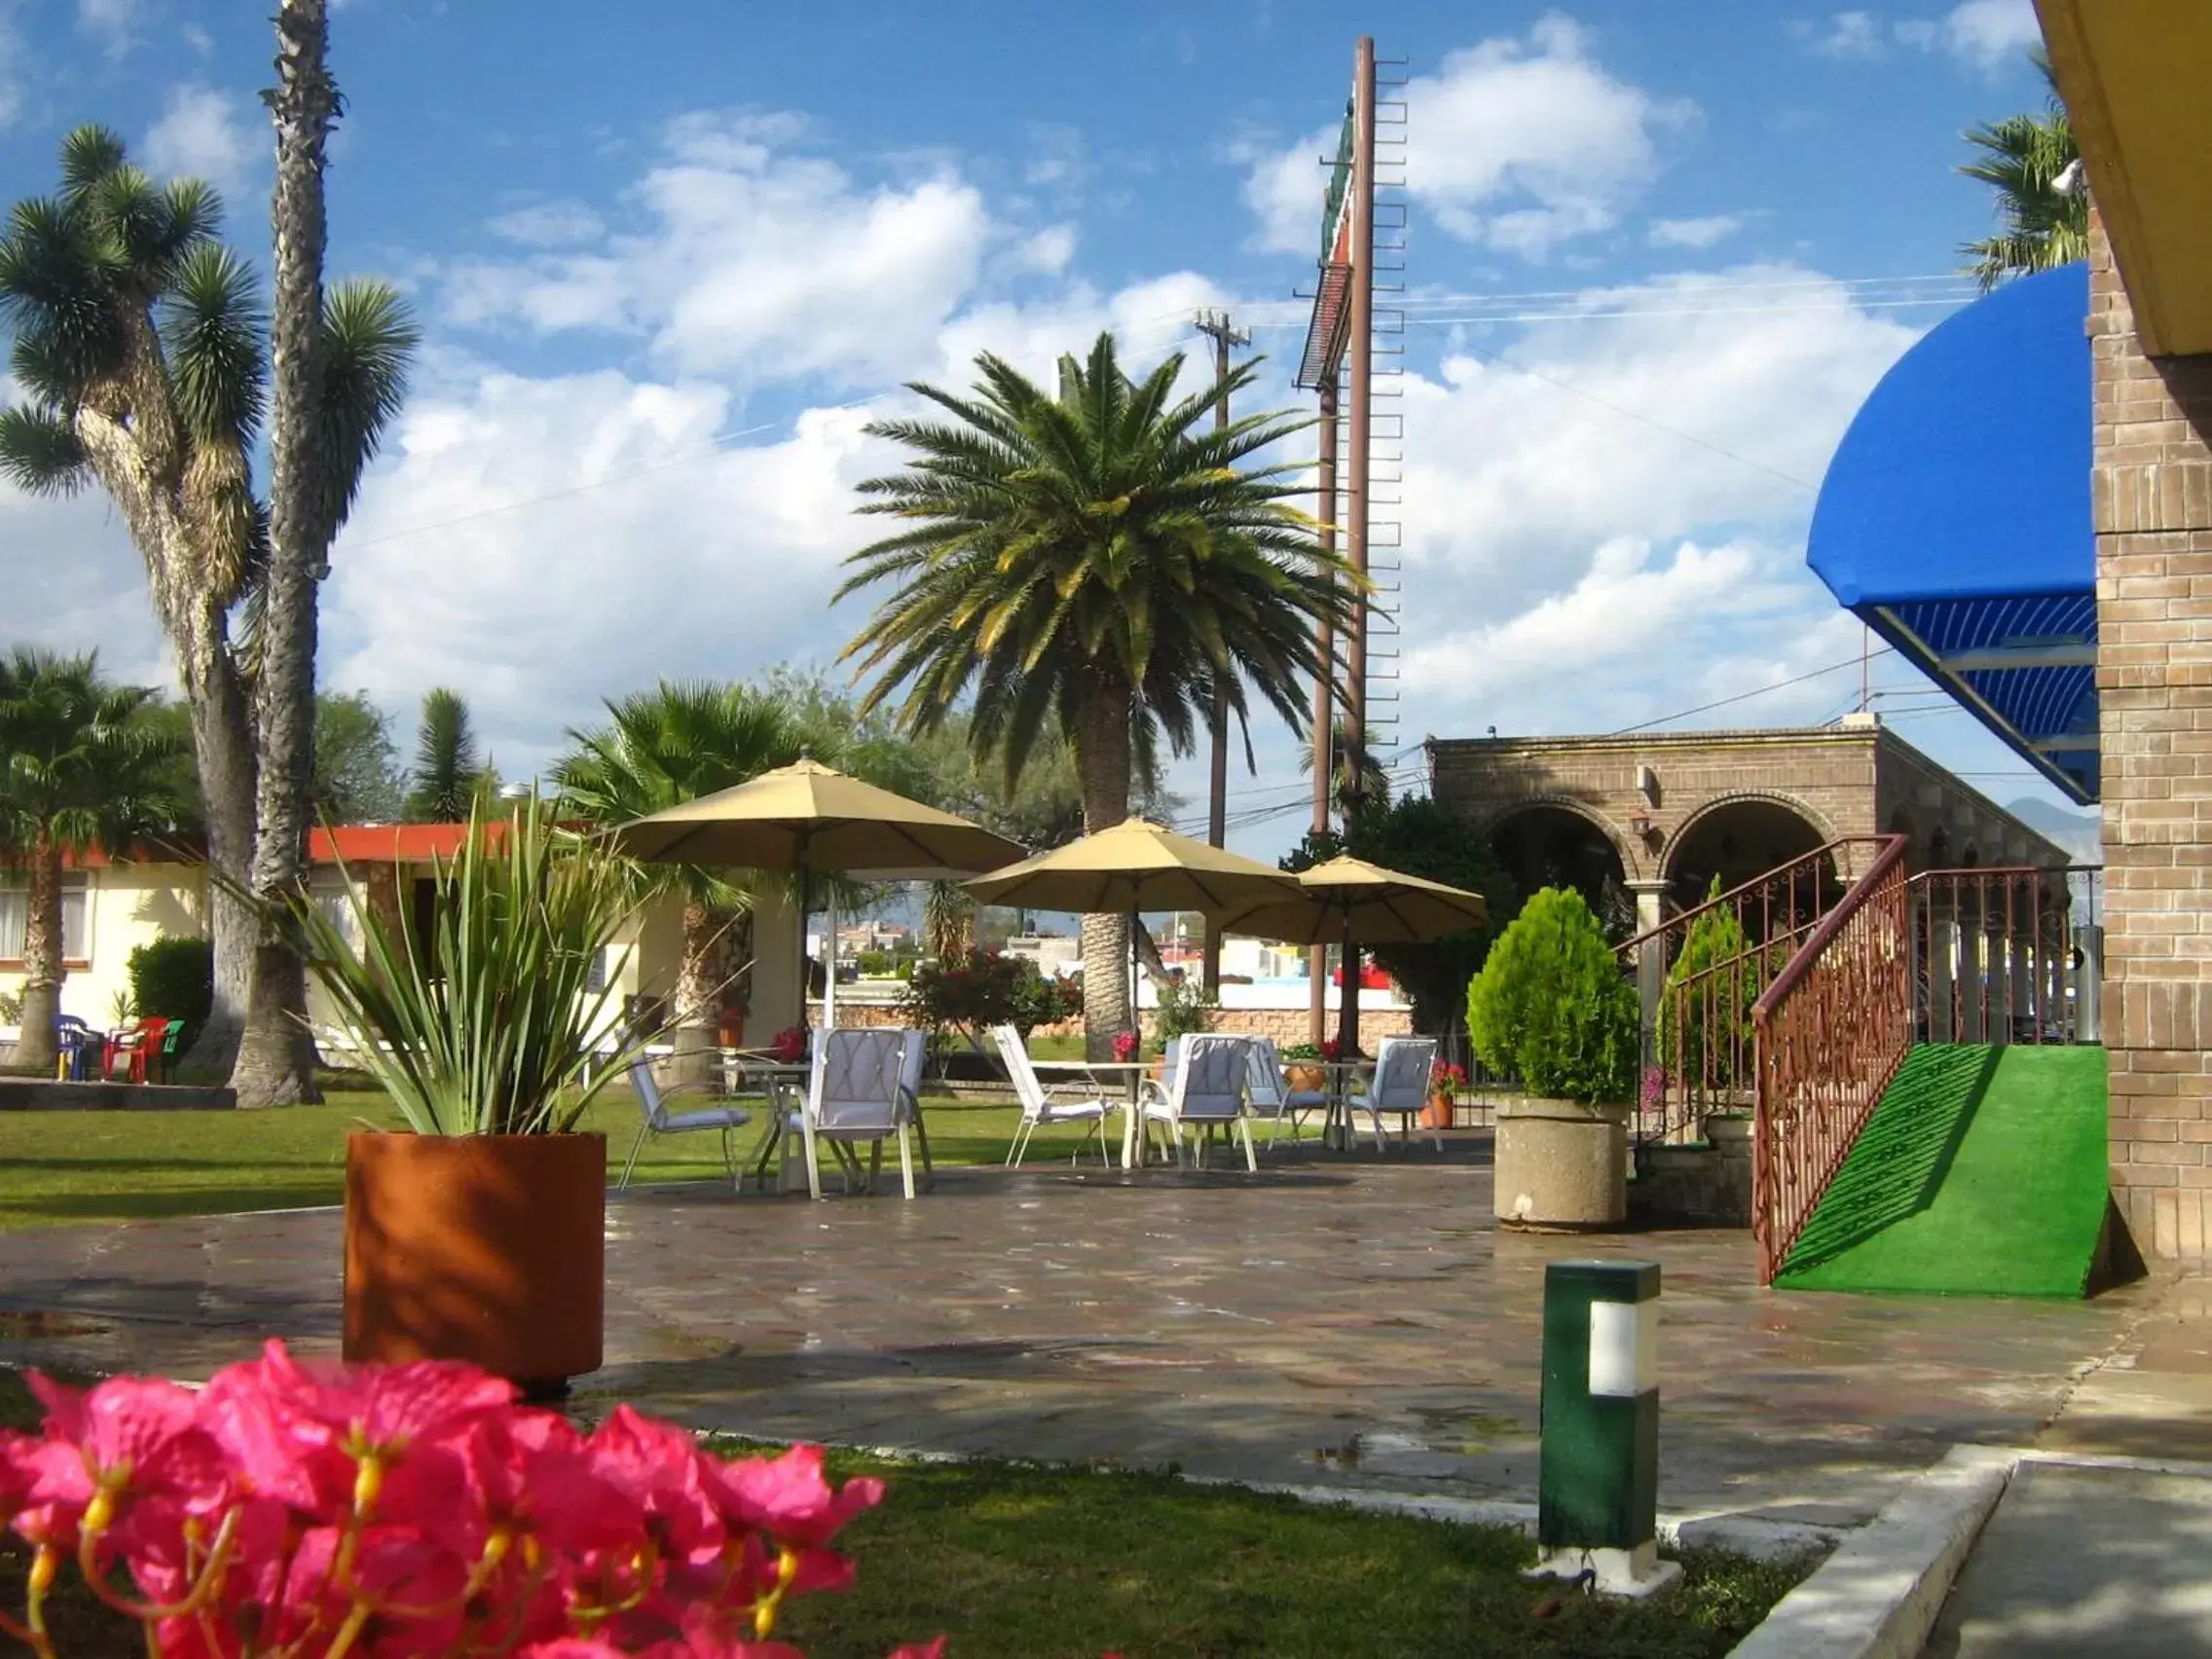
135,1043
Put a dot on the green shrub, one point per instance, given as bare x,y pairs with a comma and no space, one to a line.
987,989
875,964
1704,1037
1552,1006
1184,1008
173,979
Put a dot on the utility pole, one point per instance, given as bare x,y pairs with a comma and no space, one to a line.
1217,328
1359,441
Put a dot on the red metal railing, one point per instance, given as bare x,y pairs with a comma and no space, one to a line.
1992,953
1698,1043
1828,1032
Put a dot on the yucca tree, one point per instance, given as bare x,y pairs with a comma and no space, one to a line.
450,778
142,348
80,766
680,741
1088,562
2023,159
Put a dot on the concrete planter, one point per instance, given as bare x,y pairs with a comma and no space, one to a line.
1730,1131
1562,1165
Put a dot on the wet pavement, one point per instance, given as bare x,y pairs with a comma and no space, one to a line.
1325,1321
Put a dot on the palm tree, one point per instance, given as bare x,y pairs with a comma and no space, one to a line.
333,389
661,748
80,766
450,776
1089,563
140,346
1358,783
2044,209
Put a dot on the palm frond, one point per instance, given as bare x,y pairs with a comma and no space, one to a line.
40,454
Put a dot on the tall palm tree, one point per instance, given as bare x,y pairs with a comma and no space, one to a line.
450,776
659,749
80,766
2044,209
140,346
332,392
1358,781
1090,562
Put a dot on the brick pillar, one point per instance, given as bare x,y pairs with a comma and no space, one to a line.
2152,502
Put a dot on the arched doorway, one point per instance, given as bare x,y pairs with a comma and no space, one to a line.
1738,841
1550,845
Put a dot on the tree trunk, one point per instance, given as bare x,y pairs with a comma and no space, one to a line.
276,1064
42,958
693,1023
222,742
1103,758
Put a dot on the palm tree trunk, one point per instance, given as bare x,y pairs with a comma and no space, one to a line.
275,1064
693,1023
42,958
1102,758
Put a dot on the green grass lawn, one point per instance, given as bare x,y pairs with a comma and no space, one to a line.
68,1166
1022,1563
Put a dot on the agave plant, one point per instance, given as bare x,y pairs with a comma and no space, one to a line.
488,1024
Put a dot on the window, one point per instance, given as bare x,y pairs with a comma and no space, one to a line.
15,919
334,898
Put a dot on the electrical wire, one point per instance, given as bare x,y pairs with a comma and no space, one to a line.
1757,691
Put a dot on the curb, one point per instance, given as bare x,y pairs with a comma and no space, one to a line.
1880,1593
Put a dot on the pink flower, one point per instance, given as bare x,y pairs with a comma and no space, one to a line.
921,1651
788,1497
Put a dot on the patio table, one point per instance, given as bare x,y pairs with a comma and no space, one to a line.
1098,1071
1335,1114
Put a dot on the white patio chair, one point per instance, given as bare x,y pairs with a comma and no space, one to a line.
1038,1107
910,1098
658,1119
1399,1085
1212,1076
1272,1097
854,1095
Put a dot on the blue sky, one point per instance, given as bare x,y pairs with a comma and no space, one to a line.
671,257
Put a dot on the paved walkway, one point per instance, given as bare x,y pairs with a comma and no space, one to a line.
1325,1321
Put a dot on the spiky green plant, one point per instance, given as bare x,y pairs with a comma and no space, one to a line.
488,1024
2023,158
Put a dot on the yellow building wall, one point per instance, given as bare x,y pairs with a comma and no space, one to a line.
126,906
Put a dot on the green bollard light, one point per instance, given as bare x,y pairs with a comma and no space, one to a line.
1598,1478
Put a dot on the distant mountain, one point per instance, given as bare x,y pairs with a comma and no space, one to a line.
2081,834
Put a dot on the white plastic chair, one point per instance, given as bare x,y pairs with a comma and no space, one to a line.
855,1094
1272,1097
1038,1107
1399,1085
1212,1076
910,1100
658,1119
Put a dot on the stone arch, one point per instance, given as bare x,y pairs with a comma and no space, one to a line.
1551,841
1739,836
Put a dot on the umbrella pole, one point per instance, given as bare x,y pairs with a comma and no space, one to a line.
803,998
1348,1008
830,959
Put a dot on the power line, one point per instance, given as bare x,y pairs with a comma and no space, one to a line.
1757,691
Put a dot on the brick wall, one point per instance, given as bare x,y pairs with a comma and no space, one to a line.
1286,1025
2151,504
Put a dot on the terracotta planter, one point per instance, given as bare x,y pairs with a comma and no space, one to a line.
488,1248
1438,1113
1306,1078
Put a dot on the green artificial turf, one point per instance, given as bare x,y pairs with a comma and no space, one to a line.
1981,1173
1022,1563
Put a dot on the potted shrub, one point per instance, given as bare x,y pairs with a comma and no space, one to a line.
478,1233
1443,1085
1552,1007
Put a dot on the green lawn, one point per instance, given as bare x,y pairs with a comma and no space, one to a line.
66,1166
1020,1562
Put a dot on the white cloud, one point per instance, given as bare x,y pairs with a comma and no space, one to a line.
1694,232
550,224
12,71
1845,35
756,260
1522,144
208,134
114,23
1986,33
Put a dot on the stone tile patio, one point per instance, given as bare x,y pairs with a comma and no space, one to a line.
1327,1321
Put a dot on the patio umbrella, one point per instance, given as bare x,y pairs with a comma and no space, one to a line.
808,817
1134,866
1359,902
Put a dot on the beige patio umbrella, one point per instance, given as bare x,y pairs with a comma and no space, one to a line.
1135,866
808,817
1358,902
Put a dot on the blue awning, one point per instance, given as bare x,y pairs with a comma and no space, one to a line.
1955,520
